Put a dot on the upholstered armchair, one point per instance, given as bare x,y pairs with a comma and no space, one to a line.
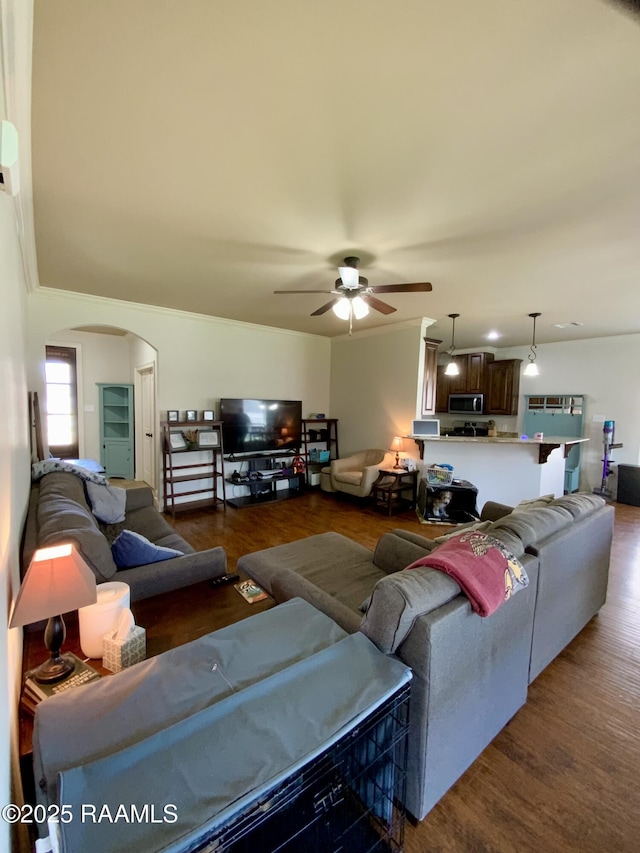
356,474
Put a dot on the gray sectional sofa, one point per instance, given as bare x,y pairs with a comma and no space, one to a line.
59,512
470,674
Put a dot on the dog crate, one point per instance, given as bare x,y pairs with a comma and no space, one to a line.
309,756
347,800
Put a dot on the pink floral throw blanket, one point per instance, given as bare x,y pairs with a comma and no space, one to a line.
486,571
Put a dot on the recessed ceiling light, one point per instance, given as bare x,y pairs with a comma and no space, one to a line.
492,336
567,325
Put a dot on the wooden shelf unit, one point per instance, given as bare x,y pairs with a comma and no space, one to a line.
205,472
326,439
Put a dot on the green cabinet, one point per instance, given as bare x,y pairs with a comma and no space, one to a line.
116,429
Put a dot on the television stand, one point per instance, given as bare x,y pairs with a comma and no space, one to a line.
262,483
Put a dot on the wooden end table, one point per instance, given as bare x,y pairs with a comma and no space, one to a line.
395,489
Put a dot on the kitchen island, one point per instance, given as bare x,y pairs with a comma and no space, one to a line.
505,469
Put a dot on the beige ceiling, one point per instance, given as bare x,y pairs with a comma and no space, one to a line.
200,154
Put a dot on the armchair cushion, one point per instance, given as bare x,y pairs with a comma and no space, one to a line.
356,474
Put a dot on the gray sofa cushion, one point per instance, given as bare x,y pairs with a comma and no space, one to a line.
334,563
63,514
579,504
288,584
397,601
531,525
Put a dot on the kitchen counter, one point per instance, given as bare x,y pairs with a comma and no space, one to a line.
546,444
505,469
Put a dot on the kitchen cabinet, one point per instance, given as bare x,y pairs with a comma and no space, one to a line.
472,378
475,372
429,377
503,387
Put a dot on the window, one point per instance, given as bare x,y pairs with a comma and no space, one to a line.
62,401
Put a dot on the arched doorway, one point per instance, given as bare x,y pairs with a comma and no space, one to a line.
110,354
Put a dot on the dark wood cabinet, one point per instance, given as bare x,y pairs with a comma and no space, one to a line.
472,378
503,387
475,370
429,377
443,389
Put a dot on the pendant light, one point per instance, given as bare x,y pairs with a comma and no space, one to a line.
532,368
452,368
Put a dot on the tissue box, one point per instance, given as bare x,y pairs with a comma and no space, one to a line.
119,654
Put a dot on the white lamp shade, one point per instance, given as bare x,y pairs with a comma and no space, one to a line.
531,369
349,276
452,369
57,581
360,307
342,308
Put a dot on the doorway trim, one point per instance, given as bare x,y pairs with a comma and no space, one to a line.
139,370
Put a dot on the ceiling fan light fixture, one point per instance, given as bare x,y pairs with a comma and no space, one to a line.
360,307
532,368
342,308
349,276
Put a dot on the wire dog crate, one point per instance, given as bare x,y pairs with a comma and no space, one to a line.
346,800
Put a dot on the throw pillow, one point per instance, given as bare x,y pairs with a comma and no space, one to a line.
132,549
107,502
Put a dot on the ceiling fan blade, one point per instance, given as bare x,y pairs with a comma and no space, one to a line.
412,287
325,308
303,291
377,304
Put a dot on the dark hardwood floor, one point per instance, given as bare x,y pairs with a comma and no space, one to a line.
564,775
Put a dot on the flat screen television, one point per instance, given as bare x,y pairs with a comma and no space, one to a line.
261,426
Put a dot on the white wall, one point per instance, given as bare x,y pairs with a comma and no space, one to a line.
15,30
374,385
606,371
14,483
199,360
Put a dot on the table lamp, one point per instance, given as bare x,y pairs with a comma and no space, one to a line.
58,580
397,446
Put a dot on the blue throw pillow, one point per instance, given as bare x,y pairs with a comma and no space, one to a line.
131,549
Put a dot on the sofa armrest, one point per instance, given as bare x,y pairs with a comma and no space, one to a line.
138,498
394,552
167,575
492,511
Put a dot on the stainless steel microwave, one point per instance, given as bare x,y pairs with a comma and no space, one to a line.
466,404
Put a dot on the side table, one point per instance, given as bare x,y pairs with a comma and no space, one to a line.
395,488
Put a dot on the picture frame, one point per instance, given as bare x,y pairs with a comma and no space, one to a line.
177,441
192,415
209,438
173,415
207,415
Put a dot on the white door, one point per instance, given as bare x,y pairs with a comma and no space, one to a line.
148,414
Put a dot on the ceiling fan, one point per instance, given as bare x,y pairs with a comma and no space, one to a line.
353,295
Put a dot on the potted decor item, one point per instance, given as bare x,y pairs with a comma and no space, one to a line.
191,437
